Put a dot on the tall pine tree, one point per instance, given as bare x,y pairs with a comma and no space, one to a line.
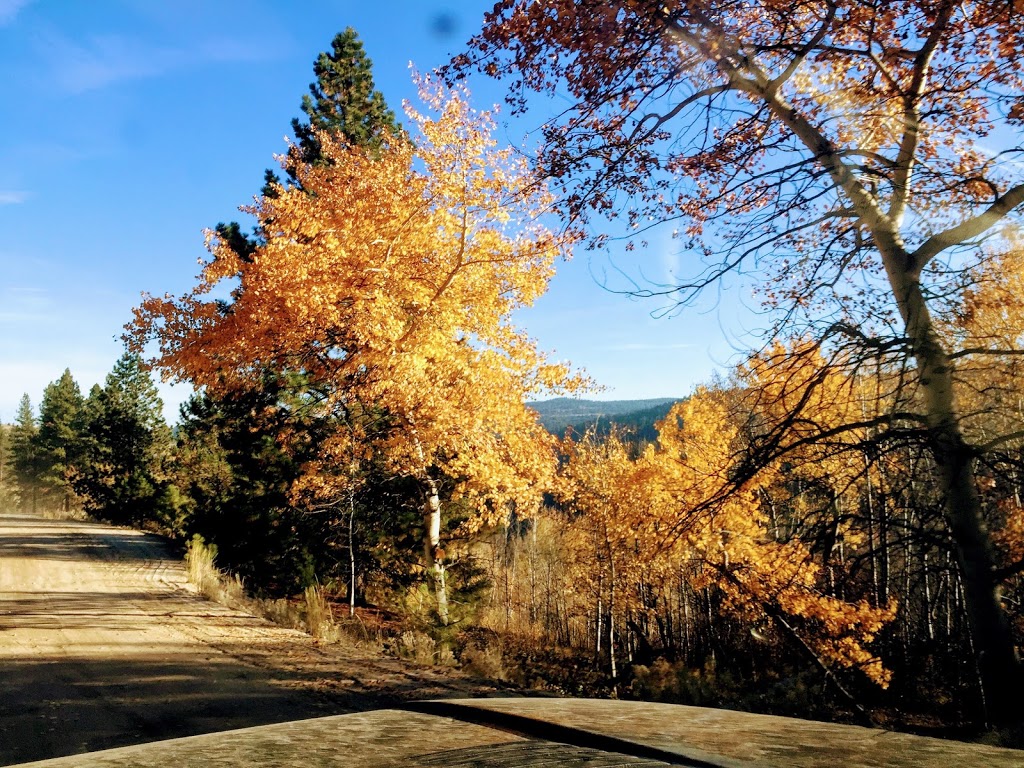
342,101
24,455
59,441
8,487
128,446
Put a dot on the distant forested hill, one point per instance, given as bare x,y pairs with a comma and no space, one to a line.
637,417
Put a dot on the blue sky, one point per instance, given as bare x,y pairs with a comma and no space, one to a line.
130,125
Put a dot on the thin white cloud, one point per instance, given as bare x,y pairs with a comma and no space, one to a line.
9,10
22,308
103,60
12,196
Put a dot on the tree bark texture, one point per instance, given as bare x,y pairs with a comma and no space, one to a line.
433,555
997,658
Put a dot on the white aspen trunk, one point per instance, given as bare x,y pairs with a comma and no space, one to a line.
947,589
928,608
611,617
433,554
351,552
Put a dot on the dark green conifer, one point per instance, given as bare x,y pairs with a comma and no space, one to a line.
8,486
24,455
59,440
123,478
343,100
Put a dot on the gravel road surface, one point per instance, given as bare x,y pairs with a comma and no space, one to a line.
103,643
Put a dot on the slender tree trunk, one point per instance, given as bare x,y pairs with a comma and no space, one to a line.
990,628
532,563
908,613
883,541
872,549
509,564
611,617
433,555
687,645
928,606
352,552
948,579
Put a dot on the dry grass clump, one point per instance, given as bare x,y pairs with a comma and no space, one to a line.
318,617
420,647
199,562
487,662
212,583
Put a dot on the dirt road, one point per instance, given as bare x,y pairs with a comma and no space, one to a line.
103,643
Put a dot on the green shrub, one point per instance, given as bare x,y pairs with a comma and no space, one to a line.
676,683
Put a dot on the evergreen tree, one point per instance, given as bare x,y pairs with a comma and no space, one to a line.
236,476
59,439
9,496
233,459
128,445
342,101
92,466
24,454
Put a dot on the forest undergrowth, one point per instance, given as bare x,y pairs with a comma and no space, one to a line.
524,660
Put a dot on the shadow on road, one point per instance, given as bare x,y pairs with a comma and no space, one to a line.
91,705
27,536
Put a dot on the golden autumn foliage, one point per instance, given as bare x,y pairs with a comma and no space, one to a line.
993,307
856,159
650,515
614,500
813,409
388,279
989,329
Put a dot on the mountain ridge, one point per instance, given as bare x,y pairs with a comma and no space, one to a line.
560,413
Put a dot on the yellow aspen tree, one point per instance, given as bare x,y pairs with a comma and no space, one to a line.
609,497
730,533
388,278
853,157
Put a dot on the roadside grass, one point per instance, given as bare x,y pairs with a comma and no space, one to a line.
312,614
479,654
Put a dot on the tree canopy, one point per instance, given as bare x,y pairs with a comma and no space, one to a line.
860,159
388,279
